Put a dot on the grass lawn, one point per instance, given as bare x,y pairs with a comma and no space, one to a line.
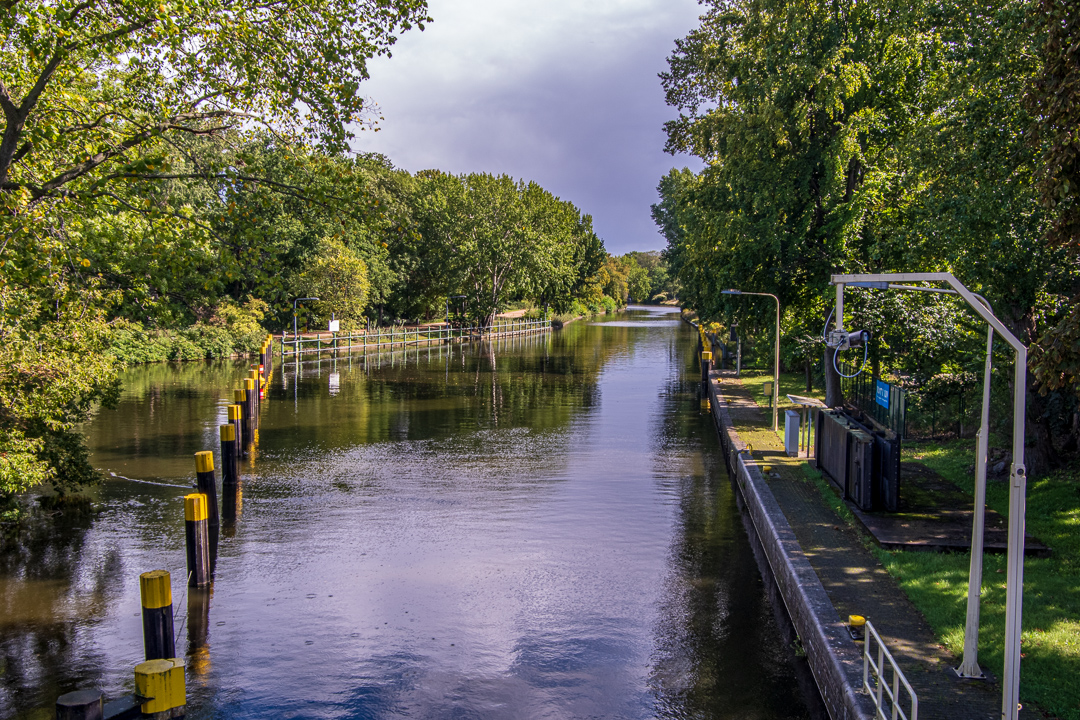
937,582
1050,640
790,384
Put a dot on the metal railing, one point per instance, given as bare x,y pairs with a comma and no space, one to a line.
400,336
863,392
884,692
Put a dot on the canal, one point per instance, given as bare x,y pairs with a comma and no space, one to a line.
537,528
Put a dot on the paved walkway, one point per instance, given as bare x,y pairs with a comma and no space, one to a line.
854,580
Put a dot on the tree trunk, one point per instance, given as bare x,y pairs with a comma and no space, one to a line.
1039,454
834,395
809,375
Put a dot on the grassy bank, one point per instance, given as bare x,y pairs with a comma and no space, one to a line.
937,582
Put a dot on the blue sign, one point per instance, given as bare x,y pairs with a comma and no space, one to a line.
882,394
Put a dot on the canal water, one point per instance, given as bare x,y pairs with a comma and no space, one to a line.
536,528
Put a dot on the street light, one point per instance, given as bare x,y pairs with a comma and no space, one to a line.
294,313
776,365
1014,579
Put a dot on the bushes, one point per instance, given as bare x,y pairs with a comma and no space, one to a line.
232,329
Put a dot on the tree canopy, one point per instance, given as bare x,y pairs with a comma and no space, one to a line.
877,136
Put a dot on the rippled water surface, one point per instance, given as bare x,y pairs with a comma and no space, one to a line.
539,528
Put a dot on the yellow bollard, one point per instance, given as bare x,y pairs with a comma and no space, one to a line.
236,419
206,482
230,468
857,626
162,682
155,589
198,539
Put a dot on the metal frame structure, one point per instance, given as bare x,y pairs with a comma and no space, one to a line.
776,360
1017,477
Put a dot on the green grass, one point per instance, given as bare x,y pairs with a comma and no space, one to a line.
1050,640
937,582
790,384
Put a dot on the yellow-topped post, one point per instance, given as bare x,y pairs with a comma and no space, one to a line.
206,482
162,682
230,469
236,419
155,589
198,541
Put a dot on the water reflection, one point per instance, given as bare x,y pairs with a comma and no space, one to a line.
531,528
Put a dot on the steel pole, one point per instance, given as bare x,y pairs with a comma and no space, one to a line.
776,370
969,667
1014,598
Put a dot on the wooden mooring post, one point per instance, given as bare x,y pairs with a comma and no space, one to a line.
230,456
81,705
155,589
198,539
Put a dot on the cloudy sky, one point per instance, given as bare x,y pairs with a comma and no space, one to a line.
563,92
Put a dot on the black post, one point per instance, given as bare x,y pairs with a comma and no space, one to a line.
198,541
155,588
230,465
250,403
80,705
236,419
206,482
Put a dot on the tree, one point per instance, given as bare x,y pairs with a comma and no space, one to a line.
338,277
638,285
1055,102
85,85
492,238
99,100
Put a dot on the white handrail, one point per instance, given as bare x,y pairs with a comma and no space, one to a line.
882,691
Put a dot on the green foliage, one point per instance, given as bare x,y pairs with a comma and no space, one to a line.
231,330
1055,101
82,85
493,238
125,128
338,277
876,137
49,383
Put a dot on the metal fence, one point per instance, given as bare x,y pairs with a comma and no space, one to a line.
884,402
388,338
886,695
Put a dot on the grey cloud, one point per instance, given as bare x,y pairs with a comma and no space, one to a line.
585,124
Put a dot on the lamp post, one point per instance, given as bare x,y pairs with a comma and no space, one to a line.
1014,579
294,314
776,360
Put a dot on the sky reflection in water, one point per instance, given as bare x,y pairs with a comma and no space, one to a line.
536,529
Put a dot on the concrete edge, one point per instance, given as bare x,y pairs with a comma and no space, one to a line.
834,659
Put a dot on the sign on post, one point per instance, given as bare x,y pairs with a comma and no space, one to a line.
881,394
335,325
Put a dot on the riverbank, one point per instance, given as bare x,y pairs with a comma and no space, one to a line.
805,531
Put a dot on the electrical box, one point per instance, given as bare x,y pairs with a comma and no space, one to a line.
792,429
